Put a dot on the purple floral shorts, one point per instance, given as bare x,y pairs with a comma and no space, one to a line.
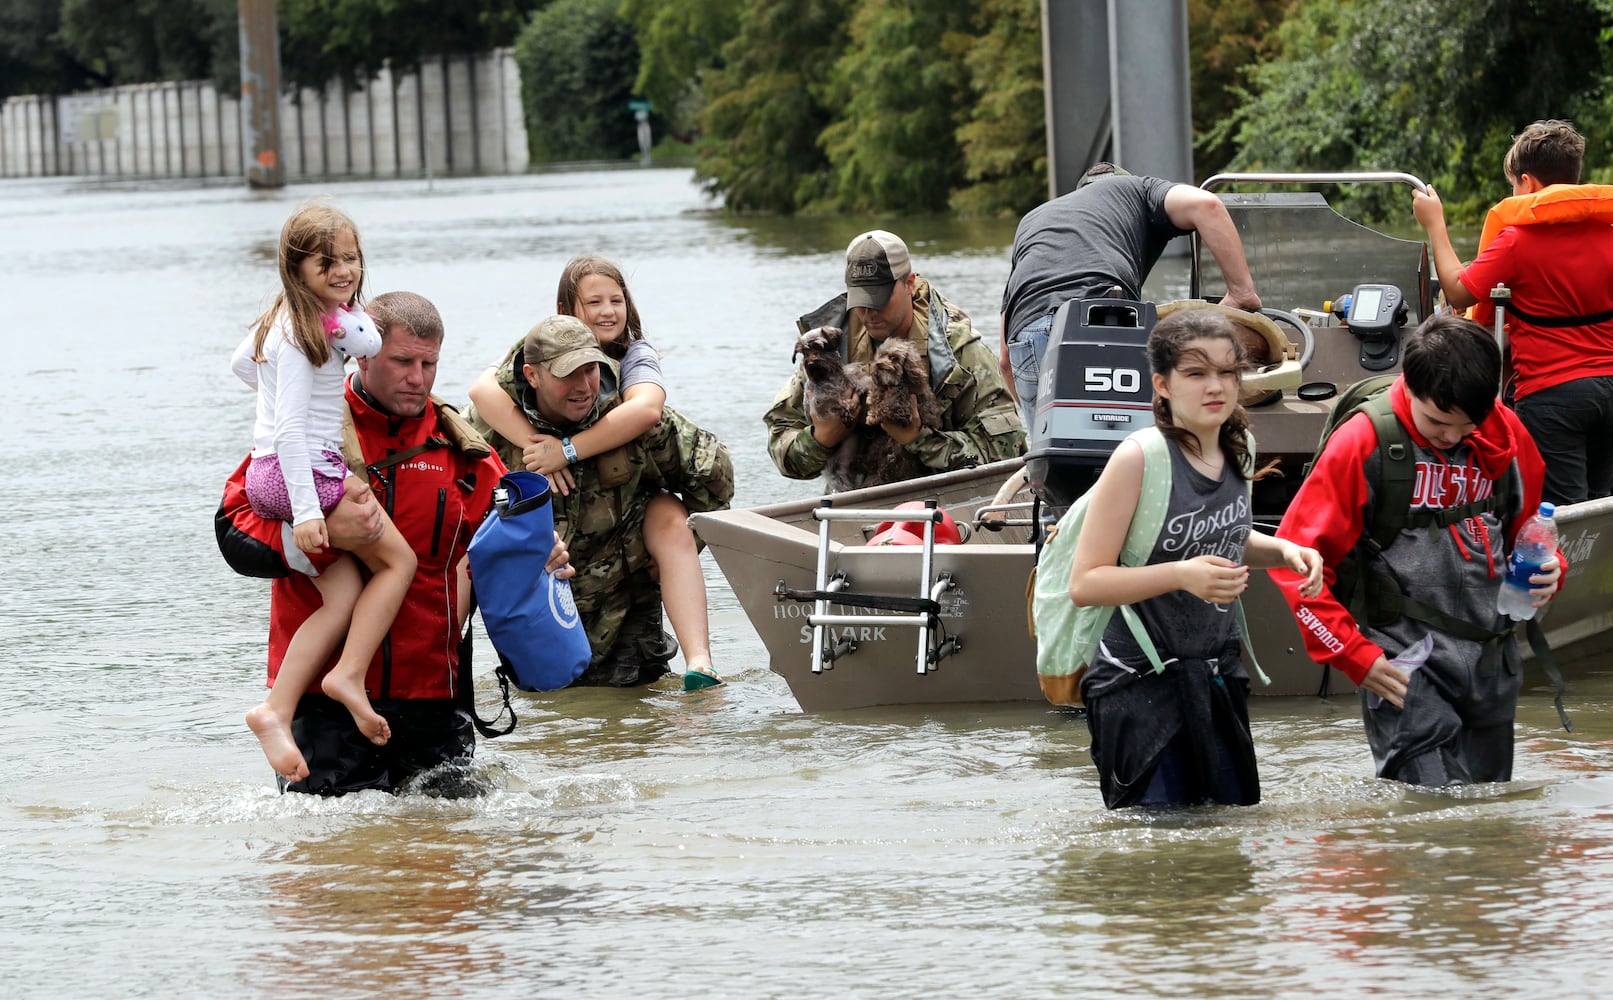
266,487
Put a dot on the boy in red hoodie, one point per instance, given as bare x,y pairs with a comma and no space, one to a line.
1477,479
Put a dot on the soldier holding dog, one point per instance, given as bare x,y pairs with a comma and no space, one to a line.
885,300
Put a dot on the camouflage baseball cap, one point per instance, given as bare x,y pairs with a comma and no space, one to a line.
1101,169
561,344
875,262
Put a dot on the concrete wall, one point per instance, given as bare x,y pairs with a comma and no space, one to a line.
458,115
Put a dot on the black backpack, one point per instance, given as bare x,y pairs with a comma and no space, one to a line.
1374,595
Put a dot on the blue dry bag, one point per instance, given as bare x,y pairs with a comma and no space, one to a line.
530,616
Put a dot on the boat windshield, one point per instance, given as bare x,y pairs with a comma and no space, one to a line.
1303,253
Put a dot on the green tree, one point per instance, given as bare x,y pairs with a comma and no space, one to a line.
1225,39
679,42
578,61
53,46
1004,137
32,57
1596,115
1367,85
140,41
895,90
759,143
321,40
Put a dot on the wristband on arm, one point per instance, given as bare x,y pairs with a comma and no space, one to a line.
569,450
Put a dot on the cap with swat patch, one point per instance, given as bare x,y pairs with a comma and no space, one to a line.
875,262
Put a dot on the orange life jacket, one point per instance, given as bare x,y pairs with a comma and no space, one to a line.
1553,203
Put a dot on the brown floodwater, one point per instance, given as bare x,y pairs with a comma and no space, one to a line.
646,843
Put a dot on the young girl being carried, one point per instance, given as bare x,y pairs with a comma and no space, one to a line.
1179,736
594,290
294,358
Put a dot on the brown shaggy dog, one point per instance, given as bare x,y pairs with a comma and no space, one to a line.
834,389
837,391
898,380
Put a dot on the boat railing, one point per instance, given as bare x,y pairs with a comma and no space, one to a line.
1003,511
1324,177
997,516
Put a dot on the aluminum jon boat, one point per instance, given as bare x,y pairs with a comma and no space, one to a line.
943,619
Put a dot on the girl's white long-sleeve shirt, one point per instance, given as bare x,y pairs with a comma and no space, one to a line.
299,412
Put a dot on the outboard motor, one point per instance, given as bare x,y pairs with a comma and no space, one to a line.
1094,391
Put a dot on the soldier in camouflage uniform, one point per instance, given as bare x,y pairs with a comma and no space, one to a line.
602,520
884,298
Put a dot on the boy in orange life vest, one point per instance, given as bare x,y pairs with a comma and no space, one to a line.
1476,481
1552,245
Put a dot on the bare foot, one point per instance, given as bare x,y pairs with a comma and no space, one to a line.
368,720
278,745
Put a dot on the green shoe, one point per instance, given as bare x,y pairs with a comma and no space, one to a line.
694,680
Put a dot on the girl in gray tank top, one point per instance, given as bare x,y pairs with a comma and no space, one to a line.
1179,736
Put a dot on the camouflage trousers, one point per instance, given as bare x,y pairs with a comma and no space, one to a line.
624,627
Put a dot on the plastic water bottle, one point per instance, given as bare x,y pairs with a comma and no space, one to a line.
1537,542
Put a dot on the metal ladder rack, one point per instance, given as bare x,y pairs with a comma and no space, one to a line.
924,606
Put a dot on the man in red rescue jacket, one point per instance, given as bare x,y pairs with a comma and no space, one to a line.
435,477
1476,480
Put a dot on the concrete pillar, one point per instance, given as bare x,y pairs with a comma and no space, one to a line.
517,157
456,131
209,135
123,105
1075,82
435,122
477,90
409,114
17,112
359,128
168,128
332,146
146,100
384,118
6,143
1152,108
260,94
51,136
195,128
35,138
432,122
1115,74
294,135
230,140
187,134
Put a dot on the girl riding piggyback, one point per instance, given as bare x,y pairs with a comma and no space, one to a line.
594,290
294,357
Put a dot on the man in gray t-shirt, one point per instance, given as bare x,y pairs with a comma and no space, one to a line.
1105,235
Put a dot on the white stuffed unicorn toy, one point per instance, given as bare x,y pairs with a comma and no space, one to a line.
352,331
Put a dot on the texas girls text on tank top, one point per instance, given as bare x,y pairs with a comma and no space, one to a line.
1205,517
